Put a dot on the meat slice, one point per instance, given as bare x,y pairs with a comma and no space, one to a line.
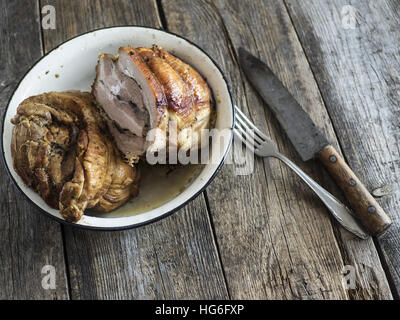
120,97
133,102
61,149
132,146
176,97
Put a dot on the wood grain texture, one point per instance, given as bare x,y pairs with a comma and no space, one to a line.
365,207
272,36
171,259
358,73
175,258
28,240
275,237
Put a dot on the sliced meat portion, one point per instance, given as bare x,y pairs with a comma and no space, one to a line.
176,97
127,142
120,97
133,102
61,149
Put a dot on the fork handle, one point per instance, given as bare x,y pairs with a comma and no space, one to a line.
366,208
339,210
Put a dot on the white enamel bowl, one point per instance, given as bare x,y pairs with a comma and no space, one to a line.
72,66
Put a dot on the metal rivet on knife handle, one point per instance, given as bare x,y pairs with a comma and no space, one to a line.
332,159
371,209
364,205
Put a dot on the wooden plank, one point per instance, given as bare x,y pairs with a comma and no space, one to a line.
358,73
172,259
28,240
175,258
281,49
275,238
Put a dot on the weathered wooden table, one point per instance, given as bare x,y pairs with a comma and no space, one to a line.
262,236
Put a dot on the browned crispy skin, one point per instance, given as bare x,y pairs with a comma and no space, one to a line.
152,81
61,150
200,90
180,100
124,184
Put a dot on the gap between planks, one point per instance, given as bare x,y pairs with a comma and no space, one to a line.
164,25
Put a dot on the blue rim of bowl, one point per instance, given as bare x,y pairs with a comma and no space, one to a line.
166,214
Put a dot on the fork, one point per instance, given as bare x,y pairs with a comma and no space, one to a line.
263,146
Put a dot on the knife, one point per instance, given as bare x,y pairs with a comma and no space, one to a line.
310,143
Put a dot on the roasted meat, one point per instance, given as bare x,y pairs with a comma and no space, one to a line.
61,149
133,102
199,91
142,89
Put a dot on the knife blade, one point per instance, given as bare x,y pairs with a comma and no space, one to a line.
291,116
310,143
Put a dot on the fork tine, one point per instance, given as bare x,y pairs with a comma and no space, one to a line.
247,123
244,118
243,140
249,130
249,134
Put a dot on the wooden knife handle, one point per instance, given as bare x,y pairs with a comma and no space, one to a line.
365,207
